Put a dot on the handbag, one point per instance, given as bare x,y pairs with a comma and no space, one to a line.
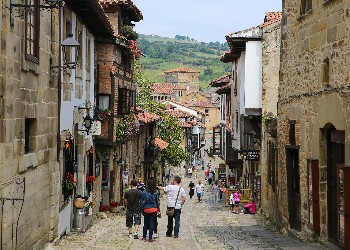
171,210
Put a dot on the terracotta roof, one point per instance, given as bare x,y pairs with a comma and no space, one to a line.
147,117
181,70
163,88
224,90
160,143
195,122
128,5
178,113
201,104
220,81
184,124
271,17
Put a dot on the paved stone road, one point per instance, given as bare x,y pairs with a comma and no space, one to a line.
203,226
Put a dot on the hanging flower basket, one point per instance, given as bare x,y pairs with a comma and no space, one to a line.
103,114
127,127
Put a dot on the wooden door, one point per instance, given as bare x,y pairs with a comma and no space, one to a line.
335,156
293,183
313,195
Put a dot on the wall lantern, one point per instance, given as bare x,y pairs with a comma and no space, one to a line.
67,46
87,121
49,4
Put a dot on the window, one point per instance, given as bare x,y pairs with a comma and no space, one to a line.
103,101
237,120
248,141
180,93
29,132
68,30
32,30
206,111
305,6
132,99
88,55
272,164
122,101
325,69
126,59
126,100
79,37
291,132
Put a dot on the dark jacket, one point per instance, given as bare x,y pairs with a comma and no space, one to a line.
148,200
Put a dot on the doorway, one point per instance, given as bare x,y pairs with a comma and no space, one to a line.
335,156
293,183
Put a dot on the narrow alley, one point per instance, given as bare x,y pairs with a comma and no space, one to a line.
203,226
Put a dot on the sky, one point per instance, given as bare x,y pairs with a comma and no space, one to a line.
203,20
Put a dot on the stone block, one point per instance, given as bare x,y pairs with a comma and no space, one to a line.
332,34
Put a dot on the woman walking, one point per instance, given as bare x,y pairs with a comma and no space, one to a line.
199,190
191,187
149,204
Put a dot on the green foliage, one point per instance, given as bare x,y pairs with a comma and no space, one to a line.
168,128
129,33
168,53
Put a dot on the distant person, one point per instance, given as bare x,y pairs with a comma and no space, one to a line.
191,187
133,210
190,171
199,190
216,191
237,197
250,208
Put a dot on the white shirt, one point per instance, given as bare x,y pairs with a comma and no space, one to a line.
172,191
199,188
190,170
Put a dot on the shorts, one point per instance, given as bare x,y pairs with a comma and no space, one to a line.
232,205
199,195
133,218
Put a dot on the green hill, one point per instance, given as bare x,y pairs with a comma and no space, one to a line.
163,53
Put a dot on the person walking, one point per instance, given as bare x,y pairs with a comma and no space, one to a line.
176,198
199,190
222,190
191,187
133,210
149,204
216,191
190,171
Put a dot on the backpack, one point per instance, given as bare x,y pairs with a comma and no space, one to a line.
147,198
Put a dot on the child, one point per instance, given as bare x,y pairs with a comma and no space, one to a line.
237,197
250,208
232,202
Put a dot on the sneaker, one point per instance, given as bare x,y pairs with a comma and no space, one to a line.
155,235
131,236
144,239
176,236
136,236
150,240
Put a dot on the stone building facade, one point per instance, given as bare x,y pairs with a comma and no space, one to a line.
183,79
270,188
313,120
29,169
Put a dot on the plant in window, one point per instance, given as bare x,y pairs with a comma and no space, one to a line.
103,114
269,120
127,127
70,181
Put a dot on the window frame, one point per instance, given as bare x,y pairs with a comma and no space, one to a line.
34,57
305,6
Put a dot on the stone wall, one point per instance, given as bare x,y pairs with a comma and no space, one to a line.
26,91
183,80
312,94
271,41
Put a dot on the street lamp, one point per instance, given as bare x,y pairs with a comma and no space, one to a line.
67,46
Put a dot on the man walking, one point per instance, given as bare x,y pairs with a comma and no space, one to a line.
176,198
133,210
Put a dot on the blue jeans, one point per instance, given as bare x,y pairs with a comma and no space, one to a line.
149,224
176,216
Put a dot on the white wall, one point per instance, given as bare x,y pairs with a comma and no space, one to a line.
253,75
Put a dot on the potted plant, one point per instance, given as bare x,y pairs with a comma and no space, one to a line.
114,207
103,208
87,207
103,114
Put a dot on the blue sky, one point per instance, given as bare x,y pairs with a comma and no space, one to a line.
203,20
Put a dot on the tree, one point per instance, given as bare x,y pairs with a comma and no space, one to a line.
168,128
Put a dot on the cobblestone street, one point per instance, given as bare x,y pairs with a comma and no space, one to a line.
203,226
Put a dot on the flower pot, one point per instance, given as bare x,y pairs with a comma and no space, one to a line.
114,210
